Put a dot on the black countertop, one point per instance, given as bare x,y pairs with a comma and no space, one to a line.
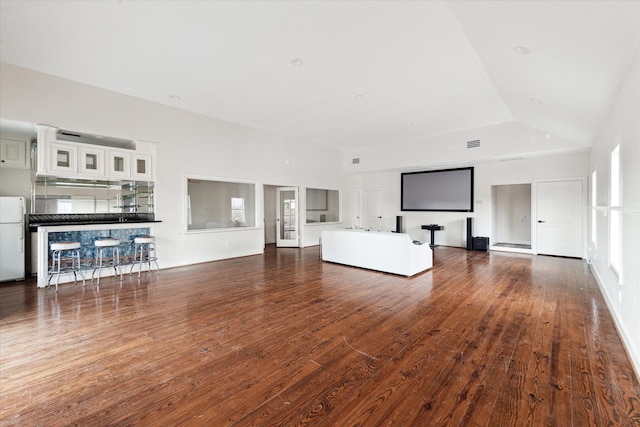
52,220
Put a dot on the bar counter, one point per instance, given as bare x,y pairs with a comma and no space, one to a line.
87,234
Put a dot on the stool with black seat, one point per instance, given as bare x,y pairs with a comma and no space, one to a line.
144,253
65,258
103,261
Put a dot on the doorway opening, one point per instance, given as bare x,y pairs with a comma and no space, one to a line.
511,217
281,216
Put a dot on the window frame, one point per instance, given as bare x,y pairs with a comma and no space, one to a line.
313,210
187,209
615,215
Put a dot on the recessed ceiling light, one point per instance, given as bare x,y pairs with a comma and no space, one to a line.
536,101
257,122
296,61
359,96
175,97
410,123
521,50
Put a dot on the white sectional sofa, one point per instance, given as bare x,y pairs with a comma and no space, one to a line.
382,251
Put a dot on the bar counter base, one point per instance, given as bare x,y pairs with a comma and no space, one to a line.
86,235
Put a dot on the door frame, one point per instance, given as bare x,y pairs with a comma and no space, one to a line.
282,242
494,227
534,211
299,212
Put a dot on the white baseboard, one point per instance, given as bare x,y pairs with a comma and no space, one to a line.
626,342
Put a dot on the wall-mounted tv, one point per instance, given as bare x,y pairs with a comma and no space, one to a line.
446,190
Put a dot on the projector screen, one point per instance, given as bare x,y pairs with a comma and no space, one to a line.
447,190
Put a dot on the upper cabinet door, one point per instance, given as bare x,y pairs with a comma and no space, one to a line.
141,167
119,164
13,153
91,161
63,158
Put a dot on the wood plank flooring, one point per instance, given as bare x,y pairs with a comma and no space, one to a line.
283,339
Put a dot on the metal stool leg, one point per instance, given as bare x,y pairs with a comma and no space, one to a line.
115,252
76,268
98,265
55,268
71,252
100,261
144,253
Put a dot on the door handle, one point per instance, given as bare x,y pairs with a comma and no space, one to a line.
541,221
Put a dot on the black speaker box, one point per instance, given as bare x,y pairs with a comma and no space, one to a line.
481,243
469,233
399,224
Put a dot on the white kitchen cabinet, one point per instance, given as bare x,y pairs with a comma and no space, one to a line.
13,153
77,155
63,158
91,161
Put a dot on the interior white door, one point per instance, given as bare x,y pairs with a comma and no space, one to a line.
270,203
287,217
372,209
355,209
559,214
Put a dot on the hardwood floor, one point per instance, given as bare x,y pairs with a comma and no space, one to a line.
482,339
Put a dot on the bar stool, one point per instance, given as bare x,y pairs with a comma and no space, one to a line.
103,245
144,252
65,252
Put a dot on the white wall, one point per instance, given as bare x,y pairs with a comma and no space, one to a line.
622,293
504,141
486,175
187,143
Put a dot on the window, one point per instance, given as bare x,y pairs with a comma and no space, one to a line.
215,204
615,255
289,217
237,209
594,212
322,205
64,206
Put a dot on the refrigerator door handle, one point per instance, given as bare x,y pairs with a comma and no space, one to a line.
22,239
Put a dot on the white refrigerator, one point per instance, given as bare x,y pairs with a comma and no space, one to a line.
12,238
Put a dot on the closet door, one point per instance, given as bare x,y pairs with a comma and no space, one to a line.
372,209
560,218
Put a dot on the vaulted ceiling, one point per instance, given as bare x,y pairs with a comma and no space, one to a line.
342,73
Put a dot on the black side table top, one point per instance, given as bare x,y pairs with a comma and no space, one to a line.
433,227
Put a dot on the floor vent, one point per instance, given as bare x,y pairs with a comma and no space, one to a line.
473,144
355,161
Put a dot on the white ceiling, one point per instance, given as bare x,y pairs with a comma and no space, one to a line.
372,71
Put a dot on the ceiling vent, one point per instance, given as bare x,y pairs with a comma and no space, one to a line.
473,144
355,161
85,138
